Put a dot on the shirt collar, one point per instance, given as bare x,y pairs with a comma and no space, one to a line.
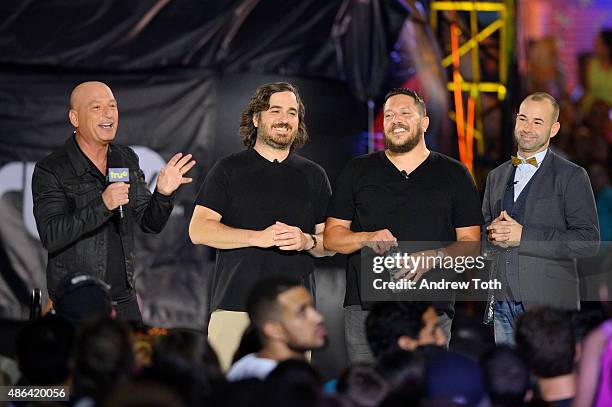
538,156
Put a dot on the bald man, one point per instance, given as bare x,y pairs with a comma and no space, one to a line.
86,223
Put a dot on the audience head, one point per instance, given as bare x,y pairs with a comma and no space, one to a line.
44,348
506,377
363,385
81,297
402,325
404,373
103,358
283,313
545,341
294,383
184,360
403,369
454,379
188,345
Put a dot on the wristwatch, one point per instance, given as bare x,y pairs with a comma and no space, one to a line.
314,241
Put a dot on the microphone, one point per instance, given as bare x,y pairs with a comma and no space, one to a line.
119,175
405,174
511,184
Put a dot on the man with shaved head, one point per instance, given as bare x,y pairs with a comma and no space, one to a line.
87,223
540,215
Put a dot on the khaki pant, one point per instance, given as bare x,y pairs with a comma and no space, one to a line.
225,331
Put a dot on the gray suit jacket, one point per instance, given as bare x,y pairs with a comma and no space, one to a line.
560,224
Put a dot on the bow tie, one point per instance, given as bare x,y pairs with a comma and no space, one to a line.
516,161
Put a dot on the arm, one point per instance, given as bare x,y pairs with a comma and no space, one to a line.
319,250
580,238
486,203
340,238
589,369
292,238
58,225
206,228
152,212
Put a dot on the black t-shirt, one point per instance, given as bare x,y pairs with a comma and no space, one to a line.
437,197
253,193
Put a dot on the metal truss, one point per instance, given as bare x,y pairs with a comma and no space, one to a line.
461,19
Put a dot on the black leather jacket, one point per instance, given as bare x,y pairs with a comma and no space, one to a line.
70,214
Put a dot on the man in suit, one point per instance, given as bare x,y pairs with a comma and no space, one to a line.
540,216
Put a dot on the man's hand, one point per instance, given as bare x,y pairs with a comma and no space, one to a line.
504,231
171,175
115,195
381,241
415,274
291,238
265,238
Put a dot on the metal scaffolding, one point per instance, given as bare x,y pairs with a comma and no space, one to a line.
464,35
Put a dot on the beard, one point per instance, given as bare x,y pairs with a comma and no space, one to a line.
267,136
304,347
405,146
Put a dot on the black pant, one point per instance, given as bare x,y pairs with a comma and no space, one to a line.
127,310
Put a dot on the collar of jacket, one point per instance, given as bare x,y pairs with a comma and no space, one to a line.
77,157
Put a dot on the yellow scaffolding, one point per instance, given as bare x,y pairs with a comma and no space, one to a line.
472,127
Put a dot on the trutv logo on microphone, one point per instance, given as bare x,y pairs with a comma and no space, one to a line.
118,175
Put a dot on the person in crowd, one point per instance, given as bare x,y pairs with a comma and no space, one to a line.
404,193
363,386
186,363
85,221
540,215
594,386
600,181
44,351
454,379
103,359
506,377
404,372
402,325
262,208
81,297
546,342
598,84
283,313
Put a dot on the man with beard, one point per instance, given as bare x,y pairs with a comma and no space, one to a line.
263,209
288,326
404,193
540,212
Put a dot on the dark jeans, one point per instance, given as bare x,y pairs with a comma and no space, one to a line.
505,314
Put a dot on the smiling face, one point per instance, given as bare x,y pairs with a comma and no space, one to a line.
535,125
277,127
404,124
94,113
